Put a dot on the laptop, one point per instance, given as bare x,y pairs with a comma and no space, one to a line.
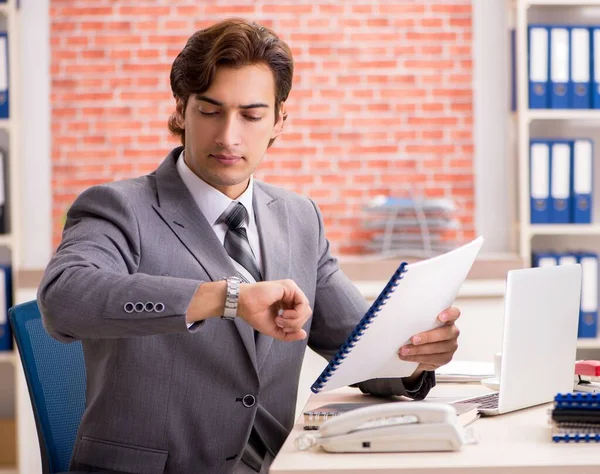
541,315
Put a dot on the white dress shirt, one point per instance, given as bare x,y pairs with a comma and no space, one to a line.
212,203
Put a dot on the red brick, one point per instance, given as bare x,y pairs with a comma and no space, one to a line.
77,41
361,8
83,12
282,8
104,40
93,54
431,23
456,7
137,11
439,37
397,7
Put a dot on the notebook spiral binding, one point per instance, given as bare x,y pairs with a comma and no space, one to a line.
360,328
576,438
577,400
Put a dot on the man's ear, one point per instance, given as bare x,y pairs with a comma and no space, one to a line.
279,122
180,112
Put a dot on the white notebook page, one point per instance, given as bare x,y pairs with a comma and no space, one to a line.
426,289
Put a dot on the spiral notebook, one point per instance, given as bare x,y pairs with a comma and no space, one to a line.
576,418
409,304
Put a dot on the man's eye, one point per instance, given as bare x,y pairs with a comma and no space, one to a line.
252,118
208,114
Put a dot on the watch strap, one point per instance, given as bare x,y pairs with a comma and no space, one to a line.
231,297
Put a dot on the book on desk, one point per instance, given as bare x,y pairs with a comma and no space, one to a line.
466,412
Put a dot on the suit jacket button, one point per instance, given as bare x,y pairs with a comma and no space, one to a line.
248,401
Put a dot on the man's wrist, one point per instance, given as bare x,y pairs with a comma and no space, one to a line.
208,301
413,379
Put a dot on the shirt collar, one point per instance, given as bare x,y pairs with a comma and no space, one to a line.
211,201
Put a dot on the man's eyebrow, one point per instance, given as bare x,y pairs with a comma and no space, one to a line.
256,105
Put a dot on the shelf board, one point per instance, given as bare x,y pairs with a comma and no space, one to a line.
563,114
6,9
590,343
6,240
563,3
564,229
7,356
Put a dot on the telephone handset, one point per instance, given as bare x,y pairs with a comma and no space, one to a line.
391,427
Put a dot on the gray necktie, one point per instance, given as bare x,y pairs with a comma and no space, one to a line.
236,242
237,246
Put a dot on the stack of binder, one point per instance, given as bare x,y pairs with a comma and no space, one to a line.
561,181
576,418
564,67
4,74
5,304
411,226
588,312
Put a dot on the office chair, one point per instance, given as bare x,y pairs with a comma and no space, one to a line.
55,375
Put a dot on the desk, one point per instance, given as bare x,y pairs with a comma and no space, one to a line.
517,442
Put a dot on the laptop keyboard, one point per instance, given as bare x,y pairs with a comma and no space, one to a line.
488,401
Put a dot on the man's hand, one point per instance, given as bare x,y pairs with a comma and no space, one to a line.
276,308
434,348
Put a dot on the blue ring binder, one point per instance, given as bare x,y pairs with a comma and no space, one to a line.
360,328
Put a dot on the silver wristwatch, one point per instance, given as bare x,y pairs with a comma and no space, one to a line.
231,298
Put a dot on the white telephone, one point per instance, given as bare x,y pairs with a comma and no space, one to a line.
391,427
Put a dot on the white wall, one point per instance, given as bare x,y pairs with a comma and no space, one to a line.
491,86
35,137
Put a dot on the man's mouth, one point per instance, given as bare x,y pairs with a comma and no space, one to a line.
227,159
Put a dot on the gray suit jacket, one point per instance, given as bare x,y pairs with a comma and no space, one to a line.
161,398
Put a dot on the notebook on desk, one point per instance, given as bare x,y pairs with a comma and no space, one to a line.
409,304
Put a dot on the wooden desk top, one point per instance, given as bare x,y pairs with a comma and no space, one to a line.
517,442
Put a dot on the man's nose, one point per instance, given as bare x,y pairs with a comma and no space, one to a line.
229,133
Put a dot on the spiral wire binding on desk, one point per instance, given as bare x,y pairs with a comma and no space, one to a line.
580,402
360,329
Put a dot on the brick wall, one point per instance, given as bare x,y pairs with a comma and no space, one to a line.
382,98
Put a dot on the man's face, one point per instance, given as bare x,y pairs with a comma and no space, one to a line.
228,127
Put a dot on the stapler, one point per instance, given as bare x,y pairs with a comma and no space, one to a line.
587,376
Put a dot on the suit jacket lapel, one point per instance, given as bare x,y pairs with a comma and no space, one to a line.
273,229
179,211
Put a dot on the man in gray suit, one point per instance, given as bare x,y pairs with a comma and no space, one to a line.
193,289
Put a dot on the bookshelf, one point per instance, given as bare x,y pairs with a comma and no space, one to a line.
551,123
10,252
565,229
531,115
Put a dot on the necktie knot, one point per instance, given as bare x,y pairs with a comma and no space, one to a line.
235,215
236,241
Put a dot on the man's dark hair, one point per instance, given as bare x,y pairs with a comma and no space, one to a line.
233,43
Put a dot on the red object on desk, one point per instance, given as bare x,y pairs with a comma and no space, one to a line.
588,367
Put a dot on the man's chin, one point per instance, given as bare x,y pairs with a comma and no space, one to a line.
222,180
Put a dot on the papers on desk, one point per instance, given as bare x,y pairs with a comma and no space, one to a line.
464,371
